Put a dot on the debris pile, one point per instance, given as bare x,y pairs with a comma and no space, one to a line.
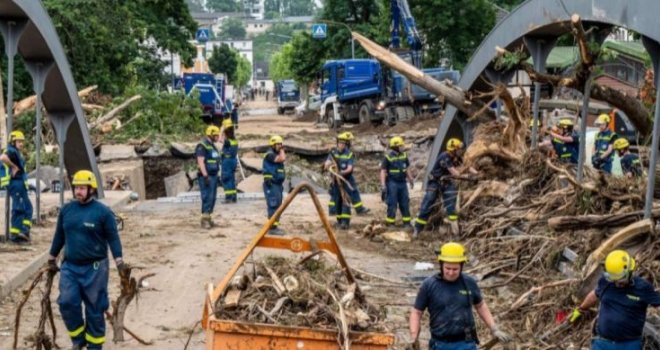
308,293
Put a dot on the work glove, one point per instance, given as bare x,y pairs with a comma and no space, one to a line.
123,268
575,315
383,193
207,181
52,266
411,184
502,336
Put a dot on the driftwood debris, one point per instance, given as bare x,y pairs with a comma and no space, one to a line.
129,290
28,103
595,221
113,113
40,338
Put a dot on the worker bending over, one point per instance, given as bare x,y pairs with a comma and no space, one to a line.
393,176
274,176
208,163
85,229
449,297
446,166
624,299
565,141
603,153
630,164
229,160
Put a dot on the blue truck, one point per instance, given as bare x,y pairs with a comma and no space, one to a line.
362,90
288,95
211,90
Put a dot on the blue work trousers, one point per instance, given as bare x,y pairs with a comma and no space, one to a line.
460,345
21,209
229,178
603,344
209,193
355,195
337,206
84,284
273,193
449,194
397,195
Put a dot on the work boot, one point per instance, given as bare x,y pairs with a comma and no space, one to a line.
205,221
343,225
276,231
362,211
20,238
77,346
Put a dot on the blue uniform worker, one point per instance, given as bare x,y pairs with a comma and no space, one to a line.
449,296
274,176
353,192
229,161
630,163
444,167
85,229
208,163
393,177
624,300
234,116
21,207
566,143
603,153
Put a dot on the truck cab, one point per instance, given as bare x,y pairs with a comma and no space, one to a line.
288,96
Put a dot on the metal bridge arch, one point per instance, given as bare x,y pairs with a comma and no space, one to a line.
28,31
535,25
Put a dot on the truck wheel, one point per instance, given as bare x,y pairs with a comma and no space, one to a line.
280,110
330,118
366,113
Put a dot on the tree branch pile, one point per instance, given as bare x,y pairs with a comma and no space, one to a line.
309,293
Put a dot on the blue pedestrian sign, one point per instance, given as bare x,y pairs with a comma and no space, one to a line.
202,35
319,30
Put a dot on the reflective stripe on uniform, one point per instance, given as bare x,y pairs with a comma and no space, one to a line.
395,171
76,332
268,176
343,156
94,340
420,221
211,161
27,222
357,205
406,218
390,220
452,217
344,216
14,230
233,142
230,192
331,203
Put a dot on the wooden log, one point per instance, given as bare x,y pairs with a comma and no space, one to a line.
113,113
232,298
277,283
559,223
452,94
28,103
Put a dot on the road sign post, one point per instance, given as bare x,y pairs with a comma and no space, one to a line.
319,30
202,35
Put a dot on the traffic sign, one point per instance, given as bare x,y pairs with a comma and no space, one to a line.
319,30
202,35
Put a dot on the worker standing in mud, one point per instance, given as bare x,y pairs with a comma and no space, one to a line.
565,141
624,299
85,229
393,177
274,176
208,163
356,199
449,297
446,166
229,160
603,152
16,181
630,163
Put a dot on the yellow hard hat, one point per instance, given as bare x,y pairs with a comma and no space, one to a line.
618,265
566,122
16,135
454,144
603,119
345,136
452,252
227,123
275,139
531,123
84,178
396,141
212,130
620,144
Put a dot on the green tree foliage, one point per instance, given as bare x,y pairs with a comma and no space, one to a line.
222,5
224,60
243,72
114,43
232,29
452,29
284,8
269,42
280,63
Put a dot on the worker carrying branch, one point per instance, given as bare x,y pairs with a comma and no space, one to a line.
274,176
565,141
440,180
449,297
393,177
85,229
630,163
208,163
624,299
603,152
15,178
229,160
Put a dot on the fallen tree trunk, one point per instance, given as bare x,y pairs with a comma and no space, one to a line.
584,222
452,94
28,103
113,113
